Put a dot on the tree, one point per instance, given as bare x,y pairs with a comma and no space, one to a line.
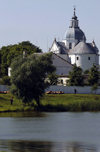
93,77
94,88
86,71
53,79
8,53
6,80
28,77
76,77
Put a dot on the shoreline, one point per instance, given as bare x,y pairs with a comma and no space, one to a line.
53,103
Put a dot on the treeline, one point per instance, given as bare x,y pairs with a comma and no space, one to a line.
8,53
78,77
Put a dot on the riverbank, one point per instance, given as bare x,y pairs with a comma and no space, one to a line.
53,103
71,102
17,106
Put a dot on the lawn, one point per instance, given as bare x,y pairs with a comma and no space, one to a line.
53,102
5,105
71,102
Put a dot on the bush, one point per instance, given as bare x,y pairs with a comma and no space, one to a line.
6,80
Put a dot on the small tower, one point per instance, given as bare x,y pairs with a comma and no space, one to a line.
74,34
74,21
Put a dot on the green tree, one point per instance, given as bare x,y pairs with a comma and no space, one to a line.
86,71
8,53
28,77
94,88
93,77
53,79
6,80
76,77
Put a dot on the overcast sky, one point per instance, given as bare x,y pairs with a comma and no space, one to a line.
40,21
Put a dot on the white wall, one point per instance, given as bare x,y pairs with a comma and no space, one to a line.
70,89
73,60
65,89
9,71
54,48
64,79
83,60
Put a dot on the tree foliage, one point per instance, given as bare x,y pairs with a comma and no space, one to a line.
94,87
28,76
76,77
6,80
8,53
53,79
93,77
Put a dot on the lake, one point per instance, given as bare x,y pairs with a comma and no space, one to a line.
50,132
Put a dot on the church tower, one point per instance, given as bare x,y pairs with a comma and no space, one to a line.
74,34
74,47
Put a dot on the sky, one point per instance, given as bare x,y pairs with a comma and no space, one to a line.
40,21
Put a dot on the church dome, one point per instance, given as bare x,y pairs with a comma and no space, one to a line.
75,34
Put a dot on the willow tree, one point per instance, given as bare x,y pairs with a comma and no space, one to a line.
28,77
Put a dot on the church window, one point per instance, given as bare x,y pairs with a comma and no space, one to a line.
88,58
77,58
70,45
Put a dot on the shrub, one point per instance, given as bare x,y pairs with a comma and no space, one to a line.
6,80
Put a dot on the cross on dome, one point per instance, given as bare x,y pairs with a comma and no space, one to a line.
74,15
74,11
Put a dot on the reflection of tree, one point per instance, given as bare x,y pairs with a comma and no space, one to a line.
23,114
73,147
29,146
78,147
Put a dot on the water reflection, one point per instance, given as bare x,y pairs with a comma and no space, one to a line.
29,146
21,132
23,114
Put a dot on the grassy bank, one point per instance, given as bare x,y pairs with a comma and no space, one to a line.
5,105
63,102
71,102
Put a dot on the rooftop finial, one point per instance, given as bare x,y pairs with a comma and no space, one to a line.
74,16
74,10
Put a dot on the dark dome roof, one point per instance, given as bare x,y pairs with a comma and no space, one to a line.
84,48
75,34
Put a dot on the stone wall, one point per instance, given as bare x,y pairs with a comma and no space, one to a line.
65,89
71,89
4,88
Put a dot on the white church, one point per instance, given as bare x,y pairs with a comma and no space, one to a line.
74,49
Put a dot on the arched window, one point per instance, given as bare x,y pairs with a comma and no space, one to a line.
70,45
77,58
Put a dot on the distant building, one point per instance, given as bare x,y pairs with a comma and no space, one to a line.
74,47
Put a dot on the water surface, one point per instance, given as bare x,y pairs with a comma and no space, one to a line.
50,132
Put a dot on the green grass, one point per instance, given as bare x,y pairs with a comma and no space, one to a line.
71,102
63,102
5,105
